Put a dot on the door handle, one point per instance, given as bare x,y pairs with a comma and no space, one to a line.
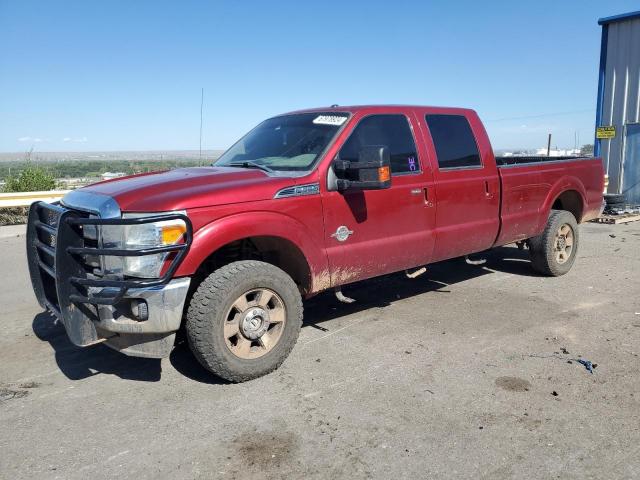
487,191
427,199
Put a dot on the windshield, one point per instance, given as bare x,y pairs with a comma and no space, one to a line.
286,143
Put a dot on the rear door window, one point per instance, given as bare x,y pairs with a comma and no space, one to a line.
390,130
454,141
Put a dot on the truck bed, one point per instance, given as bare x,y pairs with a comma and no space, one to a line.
533,185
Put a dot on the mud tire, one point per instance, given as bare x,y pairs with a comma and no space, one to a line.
212,300
543,247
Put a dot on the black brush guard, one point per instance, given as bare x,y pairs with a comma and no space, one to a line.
57,251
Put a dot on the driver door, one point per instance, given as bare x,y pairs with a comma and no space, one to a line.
373,232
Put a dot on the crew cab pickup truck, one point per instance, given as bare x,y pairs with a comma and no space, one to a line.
306,201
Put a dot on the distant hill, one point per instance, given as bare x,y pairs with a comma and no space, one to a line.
134,156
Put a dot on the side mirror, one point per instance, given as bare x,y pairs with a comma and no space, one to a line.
372,171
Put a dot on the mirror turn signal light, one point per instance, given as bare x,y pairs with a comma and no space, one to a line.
384,174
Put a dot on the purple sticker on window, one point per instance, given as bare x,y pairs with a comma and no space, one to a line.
412,164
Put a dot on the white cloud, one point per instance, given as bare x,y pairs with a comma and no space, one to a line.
75,140
31,139
66,139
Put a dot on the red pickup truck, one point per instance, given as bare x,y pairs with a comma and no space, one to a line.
306,201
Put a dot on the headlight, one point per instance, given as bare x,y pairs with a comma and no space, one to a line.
138,237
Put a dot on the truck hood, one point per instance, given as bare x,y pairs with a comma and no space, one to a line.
186,188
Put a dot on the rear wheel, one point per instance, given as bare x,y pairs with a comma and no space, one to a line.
244,320
554,250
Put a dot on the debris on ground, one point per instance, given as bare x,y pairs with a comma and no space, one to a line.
318,327
586,363
564,350
554,393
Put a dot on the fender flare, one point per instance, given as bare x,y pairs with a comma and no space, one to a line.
222,231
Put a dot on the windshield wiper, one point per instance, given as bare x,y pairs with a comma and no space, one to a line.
250,164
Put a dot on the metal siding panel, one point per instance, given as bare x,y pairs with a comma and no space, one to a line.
630,166
620,101
620,104
631,173
601,86
609,94
637,84
628,59
617,65
633,94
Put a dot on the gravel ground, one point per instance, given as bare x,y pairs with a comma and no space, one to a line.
464,372
13,216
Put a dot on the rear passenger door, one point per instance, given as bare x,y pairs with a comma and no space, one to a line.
384,230
467,186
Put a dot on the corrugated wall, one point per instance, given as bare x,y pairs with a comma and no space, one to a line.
621,102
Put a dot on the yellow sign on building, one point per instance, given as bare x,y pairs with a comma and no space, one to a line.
606,132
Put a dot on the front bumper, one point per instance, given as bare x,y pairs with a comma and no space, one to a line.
153,337
97,308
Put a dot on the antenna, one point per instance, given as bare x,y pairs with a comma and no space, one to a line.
200,150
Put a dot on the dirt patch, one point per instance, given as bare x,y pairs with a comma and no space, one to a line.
29,385
261,450
10,392
530,424
513,384
7,394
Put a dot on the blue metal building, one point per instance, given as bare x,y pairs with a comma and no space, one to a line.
619,103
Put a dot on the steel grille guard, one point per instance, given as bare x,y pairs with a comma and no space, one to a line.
69,250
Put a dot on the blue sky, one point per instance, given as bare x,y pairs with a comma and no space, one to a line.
125,75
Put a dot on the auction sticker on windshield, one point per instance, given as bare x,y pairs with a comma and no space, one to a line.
329,120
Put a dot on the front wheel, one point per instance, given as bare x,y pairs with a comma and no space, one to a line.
554,250
244,320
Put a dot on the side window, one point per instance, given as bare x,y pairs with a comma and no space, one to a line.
454,141
390,130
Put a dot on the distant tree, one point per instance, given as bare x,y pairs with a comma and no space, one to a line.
587,150
32,178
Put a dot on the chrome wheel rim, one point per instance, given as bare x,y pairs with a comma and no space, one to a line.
254,323
563,243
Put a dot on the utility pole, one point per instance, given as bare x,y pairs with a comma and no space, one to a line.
549,146
200,150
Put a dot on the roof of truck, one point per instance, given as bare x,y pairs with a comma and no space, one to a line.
381,108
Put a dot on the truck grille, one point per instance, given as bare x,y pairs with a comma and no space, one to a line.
48,264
